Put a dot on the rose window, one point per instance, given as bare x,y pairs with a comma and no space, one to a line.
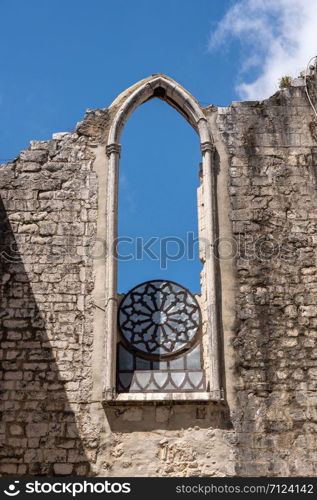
159,318
160,349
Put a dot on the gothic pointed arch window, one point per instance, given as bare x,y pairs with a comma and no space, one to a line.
162,342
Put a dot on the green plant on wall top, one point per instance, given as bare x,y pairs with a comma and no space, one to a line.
285,82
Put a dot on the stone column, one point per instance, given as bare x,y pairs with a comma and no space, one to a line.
213,333
113,153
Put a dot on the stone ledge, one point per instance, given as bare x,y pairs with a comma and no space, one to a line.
163,397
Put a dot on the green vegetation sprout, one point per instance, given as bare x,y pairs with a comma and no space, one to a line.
285,82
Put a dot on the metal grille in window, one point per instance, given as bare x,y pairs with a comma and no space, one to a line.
160,345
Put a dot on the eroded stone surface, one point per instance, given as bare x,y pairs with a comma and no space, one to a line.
272,167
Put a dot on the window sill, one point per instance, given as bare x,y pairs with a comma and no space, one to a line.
163,397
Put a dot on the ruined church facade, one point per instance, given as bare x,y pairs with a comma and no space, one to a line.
253,412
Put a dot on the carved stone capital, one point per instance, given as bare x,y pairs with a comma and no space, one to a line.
207,146
113,148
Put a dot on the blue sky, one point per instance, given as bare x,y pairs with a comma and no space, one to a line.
60,58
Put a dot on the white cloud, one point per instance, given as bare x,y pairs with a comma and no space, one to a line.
277,37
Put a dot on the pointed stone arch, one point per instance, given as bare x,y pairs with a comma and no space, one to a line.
168,90
165,88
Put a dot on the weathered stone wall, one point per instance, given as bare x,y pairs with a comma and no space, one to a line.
53,419
272,152
48,206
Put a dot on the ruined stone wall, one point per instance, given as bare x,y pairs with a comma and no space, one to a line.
48,207
272,156
53,420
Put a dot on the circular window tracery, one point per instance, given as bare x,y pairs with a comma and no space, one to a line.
159,318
